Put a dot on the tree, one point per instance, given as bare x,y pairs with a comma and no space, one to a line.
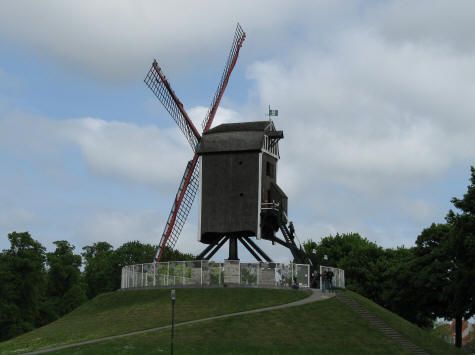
383,275
462,253
99,268
445,259
131,253
174,254
103,264
399,293
22,283
359,257
65,289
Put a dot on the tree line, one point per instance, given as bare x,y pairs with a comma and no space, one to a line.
38,287
435,278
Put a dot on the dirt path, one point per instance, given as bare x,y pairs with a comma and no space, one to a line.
315,296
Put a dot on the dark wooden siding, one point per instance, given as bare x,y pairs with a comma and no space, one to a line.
229,194
269,165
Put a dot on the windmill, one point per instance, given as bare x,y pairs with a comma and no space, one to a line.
255,138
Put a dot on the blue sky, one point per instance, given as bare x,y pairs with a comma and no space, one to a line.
375,100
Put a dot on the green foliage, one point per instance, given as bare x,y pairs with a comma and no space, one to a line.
445,259
103,264
248,277
65,289
383,275
362,260
462,251
121,312
325,327
173,254
135,253
22,283
38,287
99,271
399,292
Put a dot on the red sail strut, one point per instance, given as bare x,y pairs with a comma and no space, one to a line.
239,37
188,188
181,207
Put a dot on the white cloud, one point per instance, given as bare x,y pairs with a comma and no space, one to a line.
371,115
375,102
118,227
429,21
117,39
143,154
223,115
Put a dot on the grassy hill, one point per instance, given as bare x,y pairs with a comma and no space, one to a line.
126,311
324,327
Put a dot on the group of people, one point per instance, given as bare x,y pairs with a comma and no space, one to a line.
326,279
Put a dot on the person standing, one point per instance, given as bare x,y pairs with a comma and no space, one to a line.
291,230
330,280
324,280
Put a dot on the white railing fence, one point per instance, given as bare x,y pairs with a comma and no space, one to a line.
204,273
331,278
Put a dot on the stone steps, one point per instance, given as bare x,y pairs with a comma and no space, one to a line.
381,325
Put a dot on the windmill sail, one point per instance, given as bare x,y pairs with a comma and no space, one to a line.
158,83
181,207
239,37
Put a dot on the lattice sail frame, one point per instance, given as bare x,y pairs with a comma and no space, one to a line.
158,83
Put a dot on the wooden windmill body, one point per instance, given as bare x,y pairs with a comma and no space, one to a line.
240,198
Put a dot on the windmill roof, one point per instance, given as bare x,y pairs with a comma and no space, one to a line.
231,137
242,127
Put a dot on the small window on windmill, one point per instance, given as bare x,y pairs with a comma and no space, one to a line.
270,170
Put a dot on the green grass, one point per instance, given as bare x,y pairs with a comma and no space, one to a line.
424,338
122,312
325,327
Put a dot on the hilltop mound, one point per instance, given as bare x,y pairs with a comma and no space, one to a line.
325,327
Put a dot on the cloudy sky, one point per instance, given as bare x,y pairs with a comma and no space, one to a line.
376,100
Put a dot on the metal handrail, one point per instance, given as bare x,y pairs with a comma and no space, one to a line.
270,206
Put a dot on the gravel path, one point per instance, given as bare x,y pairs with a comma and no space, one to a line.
315,296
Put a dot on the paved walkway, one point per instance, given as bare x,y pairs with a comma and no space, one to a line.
316,295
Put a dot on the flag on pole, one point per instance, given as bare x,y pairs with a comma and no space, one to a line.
273,113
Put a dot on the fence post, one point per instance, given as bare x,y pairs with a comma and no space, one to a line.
292,267
141,282
258,272
239,262
308,276
154,274
320,277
